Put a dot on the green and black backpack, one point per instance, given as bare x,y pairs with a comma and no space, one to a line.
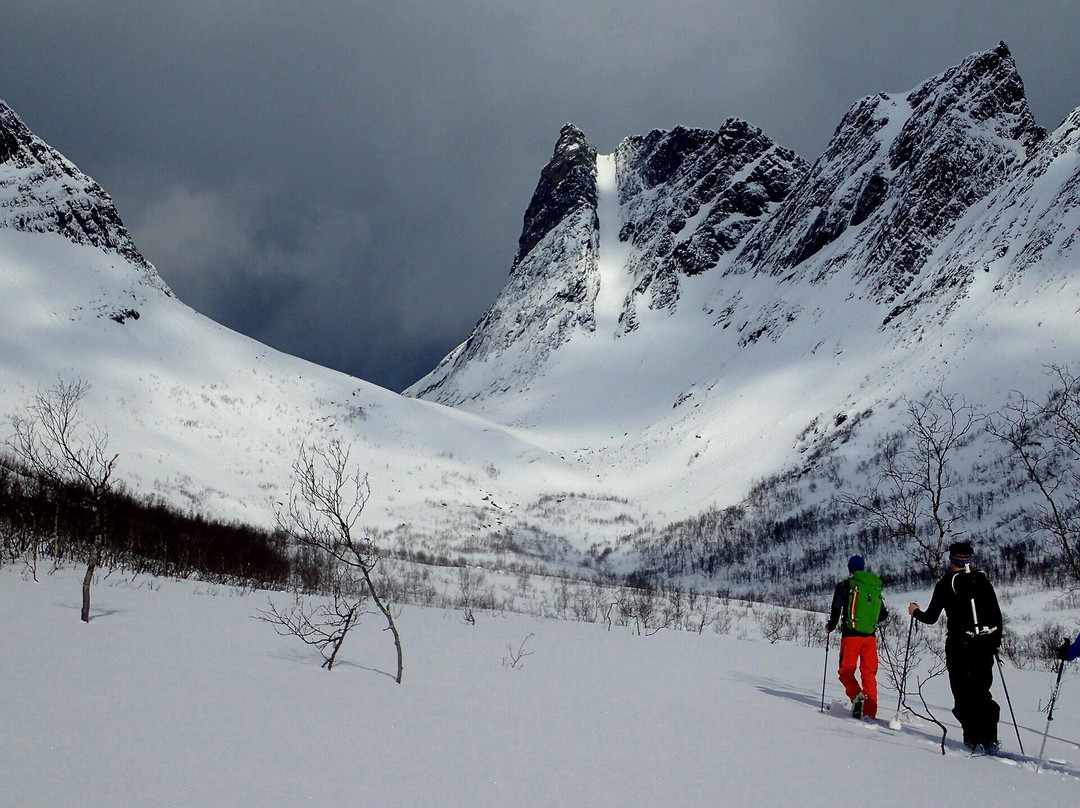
864,604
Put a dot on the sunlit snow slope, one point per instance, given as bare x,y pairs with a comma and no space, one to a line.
692,313
766,301
212,420
201,416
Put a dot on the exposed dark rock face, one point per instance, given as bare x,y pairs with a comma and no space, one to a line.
42,192
875,219
691,195
899,173
552,285
567,183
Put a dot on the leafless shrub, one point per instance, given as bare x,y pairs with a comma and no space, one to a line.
775,624
51,439
321,513
1046,439
514,657
469,581
913,497
1035,649
700,611
640,605
324,626
935,668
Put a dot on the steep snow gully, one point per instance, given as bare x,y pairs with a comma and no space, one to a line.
616,281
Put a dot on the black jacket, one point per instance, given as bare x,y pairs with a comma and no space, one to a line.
840,600
957,610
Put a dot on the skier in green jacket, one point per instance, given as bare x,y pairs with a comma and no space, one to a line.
858,645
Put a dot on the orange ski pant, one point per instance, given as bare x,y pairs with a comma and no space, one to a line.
861,653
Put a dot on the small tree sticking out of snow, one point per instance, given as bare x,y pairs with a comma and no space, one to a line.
52,441
325,502
324,627
514,659
468,582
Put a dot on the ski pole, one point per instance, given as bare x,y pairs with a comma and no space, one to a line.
1005,687
825,675
1050,714
903,675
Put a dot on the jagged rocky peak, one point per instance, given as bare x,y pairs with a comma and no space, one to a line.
898,174
685,197
987,88
567,183
43,192
652,159
550,293
1030,224
691,195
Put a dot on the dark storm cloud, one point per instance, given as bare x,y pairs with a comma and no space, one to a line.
346,181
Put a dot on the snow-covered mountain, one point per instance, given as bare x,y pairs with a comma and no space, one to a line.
201,416
42,192
897,175
742,306
605,235
684,317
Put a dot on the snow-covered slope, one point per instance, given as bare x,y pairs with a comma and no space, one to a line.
212,420
684,317
206,418
761,315
179,698
898,173
1029,226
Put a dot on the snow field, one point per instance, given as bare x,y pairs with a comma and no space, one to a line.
174,696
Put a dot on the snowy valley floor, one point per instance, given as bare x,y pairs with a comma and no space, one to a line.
174,695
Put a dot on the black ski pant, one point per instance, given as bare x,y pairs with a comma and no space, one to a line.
971,673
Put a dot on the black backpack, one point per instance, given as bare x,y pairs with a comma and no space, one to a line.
977,614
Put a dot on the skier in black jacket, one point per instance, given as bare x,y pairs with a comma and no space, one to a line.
970,644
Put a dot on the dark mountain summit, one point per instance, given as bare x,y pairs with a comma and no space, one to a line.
897,175
42,192
690,196
567,183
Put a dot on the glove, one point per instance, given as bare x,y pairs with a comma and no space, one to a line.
829,627
1062,653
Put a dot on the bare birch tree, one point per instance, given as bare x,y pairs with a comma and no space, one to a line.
912,497
1046,440
321,513
52,440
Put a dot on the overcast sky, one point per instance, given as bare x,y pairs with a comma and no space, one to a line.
346,180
